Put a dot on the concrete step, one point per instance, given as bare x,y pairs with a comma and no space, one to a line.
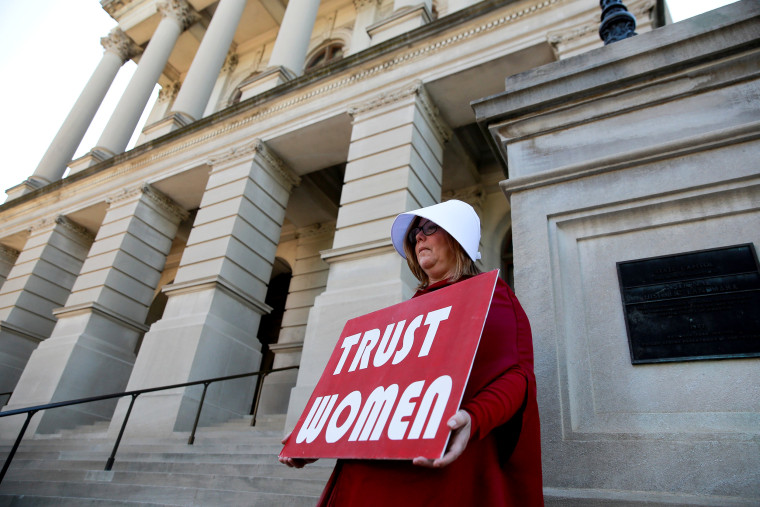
319,470
209,480
160,495
229,464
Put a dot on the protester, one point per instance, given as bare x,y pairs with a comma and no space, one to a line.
494,453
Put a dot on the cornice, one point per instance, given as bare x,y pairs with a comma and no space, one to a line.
415,88
267,105
217,282
258,148
60,220
162,201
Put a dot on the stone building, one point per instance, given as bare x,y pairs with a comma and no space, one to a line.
251,220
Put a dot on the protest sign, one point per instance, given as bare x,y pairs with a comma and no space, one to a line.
395,378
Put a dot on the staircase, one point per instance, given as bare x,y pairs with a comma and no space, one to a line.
229,464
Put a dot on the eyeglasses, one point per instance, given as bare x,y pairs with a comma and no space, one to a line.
427,229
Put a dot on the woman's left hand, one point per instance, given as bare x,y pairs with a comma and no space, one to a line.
460,425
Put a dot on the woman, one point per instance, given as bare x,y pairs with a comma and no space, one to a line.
494,455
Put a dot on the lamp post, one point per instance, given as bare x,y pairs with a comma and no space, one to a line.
617,23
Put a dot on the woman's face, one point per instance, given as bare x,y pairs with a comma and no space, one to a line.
434,255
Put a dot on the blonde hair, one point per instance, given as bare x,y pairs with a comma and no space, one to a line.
463,264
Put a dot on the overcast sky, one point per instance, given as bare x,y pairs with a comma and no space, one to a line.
48,51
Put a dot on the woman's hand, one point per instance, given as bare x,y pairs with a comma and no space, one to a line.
460,425
294,462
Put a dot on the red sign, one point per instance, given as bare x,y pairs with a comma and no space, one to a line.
395,378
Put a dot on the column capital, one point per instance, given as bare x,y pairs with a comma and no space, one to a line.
257,147
180,11
163,201
474,195
120,44
417,88
48,223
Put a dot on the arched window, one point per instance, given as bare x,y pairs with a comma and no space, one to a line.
324,55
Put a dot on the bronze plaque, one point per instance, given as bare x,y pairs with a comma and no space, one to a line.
696,305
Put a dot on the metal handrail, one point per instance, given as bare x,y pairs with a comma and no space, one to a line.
30,411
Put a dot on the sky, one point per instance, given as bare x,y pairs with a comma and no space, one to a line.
48,51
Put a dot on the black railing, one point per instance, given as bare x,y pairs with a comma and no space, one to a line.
30,411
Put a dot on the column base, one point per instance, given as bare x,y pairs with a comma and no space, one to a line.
401,21
76,362
165,125
270,78
206,332
23,188
89,159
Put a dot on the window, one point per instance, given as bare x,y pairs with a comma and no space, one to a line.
325,55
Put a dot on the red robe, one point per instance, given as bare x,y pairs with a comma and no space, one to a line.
500,397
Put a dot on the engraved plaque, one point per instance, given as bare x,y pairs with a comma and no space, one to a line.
696,305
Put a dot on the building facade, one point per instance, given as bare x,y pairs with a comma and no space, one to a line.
286,138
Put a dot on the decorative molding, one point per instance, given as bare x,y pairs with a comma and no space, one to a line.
404,58
315,230
474,195
168,92
61,220
97,308
180,11
251,150
362,250
164,202
120,44
415,88
7,253
361,4
282,348
557,38
217,282
231,62
7,327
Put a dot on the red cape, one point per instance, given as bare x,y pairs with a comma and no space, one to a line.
502,462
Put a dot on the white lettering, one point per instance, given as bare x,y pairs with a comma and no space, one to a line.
433,319
397,427
365,348
333,433
388,345
408,340
374,414
440,389
349,342
315,421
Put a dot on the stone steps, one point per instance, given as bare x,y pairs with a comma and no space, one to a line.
229,464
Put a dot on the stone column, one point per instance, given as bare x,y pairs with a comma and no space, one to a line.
118,49
40,281
92,348
308,282
394,165
214,306
365,17
290,48
176,16
208,61
8,258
